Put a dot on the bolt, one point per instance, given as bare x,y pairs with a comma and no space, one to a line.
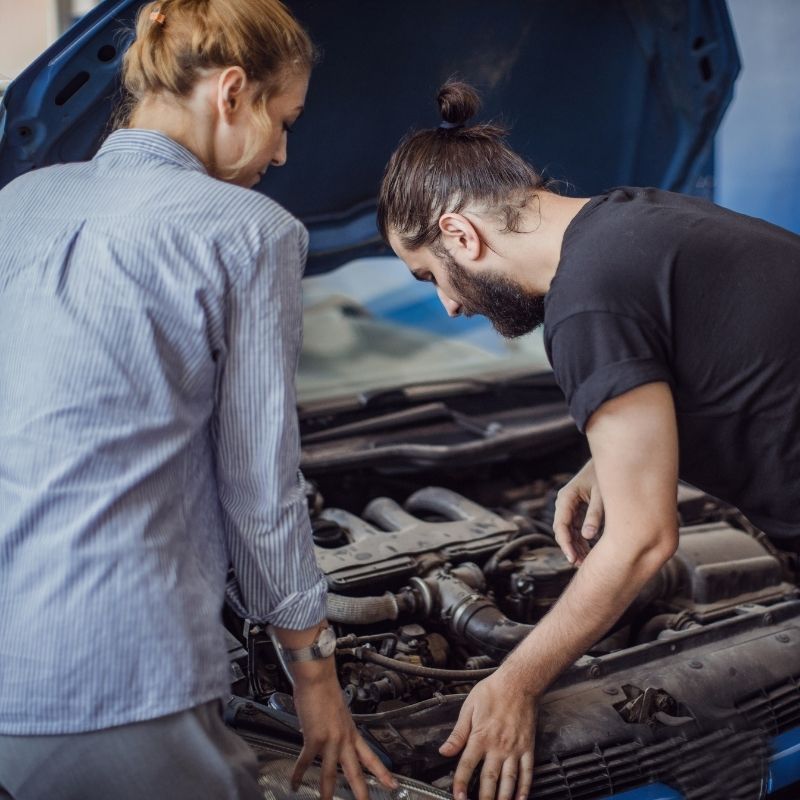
612,690
595,671
695,665
767,619
783,638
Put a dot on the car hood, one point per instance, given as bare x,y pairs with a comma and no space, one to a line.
597,94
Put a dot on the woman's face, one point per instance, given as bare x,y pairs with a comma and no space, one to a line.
264,145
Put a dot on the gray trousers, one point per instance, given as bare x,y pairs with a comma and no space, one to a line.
191,755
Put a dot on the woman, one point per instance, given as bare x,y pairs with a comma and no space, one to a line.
150,319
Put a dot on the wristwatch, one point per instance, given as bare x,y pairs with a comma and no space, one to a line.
322,647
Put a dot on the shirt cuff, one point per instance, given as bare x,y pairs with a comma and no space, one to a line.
611,381
298,611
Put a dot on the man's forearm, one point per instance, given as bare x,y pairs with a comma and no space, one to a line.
609,580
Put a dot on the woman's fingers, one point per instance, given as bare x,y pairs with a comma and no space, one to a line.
371,761
353,773
328,772
301,765
351,756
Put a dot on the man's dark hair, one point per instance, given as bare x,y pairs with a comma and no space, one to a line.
447,169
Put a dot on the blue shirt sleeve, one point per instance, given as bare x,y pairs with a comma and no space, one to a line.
267,527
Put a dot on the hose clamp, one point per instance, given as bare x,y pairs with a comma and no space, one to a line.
425,593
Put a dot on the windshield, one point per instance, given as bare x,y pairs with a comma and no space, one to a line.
371,325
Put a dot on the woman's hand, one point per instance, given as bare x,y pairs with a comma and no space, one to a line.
497,724
579,514
329,732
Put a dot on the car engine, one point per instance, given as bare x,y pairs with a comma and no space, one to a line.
430,589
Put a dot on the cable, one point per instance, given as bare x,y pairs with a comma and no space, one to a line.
417,669
395,713
506,550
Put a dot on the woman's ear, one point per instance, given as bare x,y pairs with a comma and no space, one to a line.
460,236
230,90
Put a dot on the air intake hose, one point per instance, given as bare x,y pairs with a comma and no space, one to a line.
365,610
458,601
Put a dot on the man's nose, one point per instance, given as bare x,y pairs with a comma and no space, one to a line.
452,308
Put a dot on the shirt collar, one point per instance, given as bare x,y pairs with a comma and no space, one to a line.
151,143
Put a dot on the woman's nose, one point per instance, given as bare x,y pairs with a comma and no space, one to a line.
452,308
279,156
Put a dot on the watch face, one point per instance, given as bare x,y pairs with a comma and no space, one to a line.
326,642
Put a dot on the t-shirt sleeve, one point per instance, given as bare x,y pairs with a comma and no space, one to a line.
599,355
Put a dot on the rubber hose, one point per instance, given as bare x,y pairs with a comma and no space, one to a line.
492,631
425,672
362,610
656,625
506,550
395,713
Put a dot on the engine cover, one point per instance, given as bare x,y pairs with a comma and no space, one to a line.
390,540
717,565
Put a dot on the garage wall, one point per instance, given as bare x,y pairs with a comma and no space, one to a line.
28,26
758,145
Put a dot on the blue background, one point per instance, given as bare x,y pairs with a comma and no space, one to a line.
758,144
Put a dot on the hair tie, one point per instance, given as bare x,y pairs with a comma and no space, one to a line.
450,125
157,16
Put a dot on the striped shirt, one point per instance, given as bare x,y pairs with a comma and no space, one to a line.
150,328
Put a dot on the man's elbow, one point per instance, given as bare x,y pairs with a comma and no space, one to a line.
648,546
657,547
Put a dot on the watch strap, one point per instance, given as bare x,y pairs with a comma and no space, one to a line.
313,652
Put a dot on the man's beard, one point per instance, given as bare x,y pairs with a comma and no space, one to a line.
512,310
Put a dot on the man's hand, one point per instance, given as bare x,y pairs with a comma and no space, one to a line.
579,514
634,442
329,732
499,732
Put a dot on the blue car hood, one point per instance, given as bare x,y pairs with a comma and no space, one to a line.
597,94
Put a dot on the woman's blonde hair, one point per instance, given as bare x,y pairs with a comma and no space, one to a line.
178,40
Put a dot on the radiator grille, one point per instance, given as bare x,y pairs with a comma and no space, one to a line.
722,765
775,709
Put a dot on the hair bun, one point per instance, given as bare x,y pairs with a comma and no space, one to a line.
458,102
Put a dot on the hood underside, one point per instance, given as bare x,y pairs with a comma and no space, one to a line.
597,95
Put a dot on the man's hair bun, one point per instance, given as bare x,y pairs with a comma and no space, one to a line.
458,102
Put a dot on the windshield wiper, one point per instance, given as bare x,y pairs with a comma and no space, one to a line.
397,419
406,393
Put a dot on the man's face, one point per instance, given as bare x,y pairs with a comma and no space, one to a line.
512,309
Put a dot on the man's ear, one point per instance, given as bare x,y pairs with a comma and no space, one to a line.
460,236
230,89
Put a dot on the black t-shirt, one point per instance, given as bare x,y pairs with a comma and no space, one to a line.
656,286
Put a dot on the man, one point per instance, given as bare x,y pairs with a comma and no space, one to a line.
672,328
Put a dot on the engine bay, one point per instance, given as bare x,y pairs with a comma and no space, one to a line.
431,586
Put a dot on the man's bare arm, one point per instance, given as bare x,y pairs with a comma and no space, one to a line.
633,440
